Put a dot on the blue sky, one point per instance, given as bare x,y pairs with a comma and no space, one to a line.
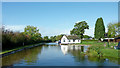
54,18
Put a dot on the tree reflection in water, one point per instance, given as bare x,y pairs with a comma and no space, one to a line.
29,56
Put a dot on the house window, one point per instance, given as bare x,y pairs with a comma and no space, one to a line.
69,40
78,40
73,40
64,40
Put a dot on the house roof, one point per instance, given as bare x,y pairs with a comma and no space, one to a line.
72,37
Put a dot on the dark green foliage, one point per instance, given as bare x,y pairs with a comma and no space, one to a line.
86,36
53,38
12,39
99,29
79,29
46,38
56,38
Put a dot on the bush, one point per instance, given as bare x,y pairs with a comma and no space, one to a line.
92,53
96,50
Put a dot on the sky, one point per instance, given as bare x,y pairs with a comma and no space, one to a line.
54,18
60,0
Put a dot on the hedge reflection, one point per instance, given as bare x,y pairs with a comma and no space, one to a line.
29,56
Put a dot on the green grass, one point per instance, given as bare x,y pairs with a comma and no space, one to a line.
110,53
97,43
99,49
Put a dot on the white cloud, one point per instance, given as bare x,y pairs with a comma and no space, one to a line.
19,28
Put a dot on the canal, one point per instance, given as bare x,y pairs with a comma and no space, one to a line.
51,54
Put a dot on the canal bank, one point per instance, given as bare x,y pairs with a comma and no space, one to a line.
8,52
97,49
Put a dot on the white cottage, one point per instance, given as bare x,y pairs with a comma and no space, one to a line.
70,39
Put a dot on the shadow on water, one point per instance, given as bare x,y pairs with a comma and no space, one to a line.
60,55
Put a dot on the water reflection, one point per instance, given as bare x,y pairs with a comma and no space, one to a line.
54,55
78,52
66,48
29,56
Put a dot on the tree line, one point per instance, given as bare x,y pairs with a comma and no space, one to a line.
31,34
12,39
99,31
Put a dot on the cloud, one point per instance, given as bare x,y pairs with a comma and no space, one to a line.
19,28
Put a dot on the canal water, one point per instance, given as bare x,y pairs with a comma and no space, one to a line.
51,54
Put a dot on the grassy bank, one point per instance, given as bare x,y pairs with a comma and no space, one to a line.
97,43
110,53
98,49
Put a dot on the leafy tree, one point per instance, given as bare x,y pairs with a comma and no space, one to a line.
32,33
79,29
46,38
31,30
53,38
58,37
86,36
99,29
113,29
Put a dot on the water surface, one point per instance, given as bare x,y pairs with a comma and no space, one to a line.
56,55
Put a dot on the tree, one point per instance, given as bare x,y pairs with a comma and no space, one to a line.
113,29
79,29
46,38
53,38
99,29
58,37
32,34
31,30
86,36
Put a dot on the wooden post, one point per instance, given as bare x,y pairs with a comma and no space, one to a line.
23,43
108,42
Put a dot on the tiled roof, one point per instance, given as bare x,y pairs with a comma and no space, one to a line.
72,37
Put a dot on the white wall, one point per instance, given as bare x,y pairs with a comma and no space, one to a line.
67,41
